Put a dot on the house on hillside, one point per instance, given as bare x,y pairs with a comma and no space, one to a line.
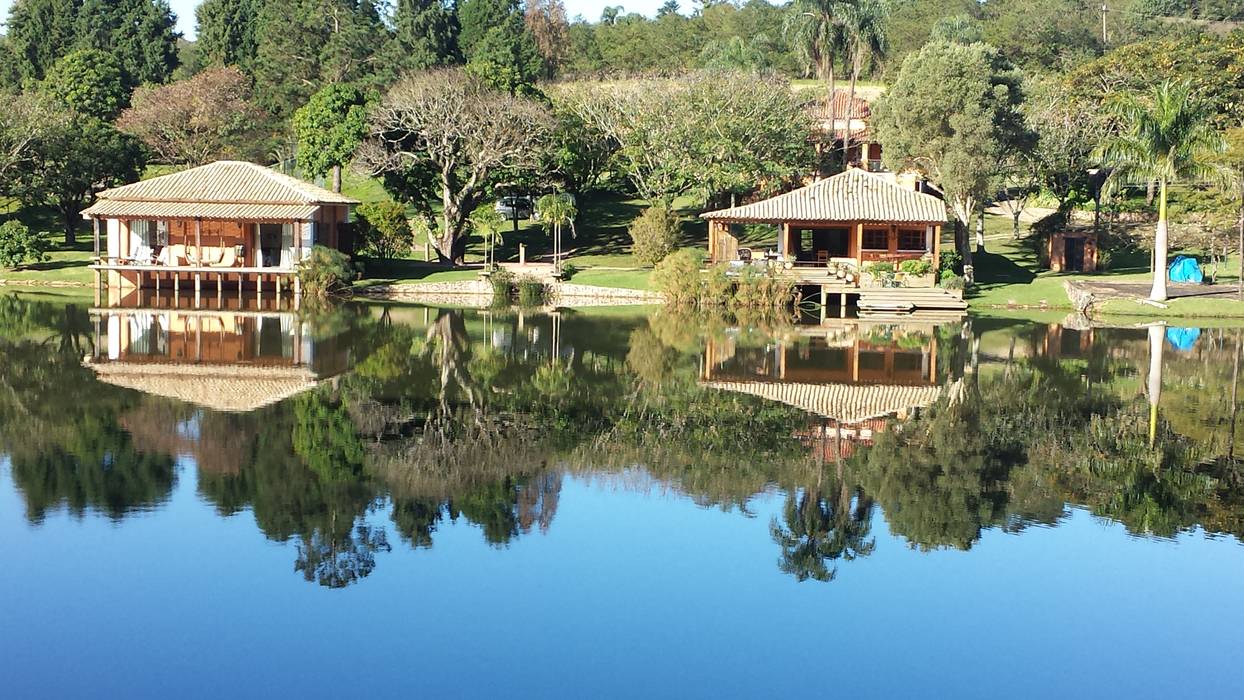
844,123
849,219
221,225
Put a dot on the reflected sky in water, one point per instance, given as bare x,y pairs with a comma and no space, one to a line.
467,506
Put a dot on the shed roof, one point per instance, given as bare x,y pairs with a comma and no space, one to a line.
846,403
853,195
844,107
226,188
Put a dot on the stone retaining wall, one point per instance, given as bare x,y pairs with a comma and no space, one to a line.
479,293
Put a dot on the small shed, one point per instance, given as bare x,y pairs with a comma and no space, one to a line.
1072,250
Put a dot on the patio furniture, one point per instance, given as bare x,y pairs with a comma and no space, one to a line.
745,255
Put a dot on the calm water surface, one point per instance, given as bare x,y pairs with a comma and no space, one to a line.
400,501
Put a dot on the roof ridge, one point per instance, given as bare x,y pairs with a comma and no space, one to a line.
226,181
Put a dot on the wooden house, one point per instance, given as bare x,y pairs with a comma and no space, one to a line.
225,223
851,218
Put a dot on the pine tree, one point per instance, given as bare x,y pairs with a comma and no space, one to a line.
227,31
425,35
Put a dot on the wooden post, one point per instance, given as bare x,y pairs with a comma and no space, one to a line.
936,232
842,306
859,247
824,302
198,242
95,227
220,289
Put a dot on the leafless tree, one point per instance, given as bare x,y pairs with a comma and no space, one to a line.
23,120
465,132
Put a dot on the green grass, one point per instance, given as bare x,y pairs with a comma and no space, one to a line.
1009,276
66,263
619,279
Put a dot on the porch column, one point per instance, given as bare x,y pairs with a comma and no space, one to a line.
784,240
95,228
859,246
298,256
198,256
935,231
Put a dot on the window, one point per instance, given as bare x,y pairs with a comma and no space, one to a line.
911,239
876,239
805,240
153,234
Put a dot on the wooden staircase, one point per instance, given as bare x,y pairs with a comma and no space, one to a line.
899,301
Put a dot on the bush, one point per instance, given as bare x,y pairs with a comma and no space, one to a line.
678,277
383,229
762,290
532,292
19,245
654,235
569,270
1105,258
950,261
952,281
326,272
502,282
918,268
878,269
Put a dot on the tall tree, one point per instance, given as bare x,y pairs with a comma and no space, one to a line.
307,44
141,35
425,35
452,129
89,82
499,48
40,32
329,129
546,20
953,114
23,122
1166,136
865,27
227,32
72,162
815,29
478,17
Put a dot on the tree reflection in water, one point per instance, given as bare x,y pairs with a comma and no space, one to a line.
479,417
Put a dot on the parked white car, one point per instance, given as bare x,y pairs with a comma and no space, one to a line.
511,208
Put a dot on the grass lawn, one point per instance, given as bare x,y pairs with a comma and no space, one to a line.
1008,275
621,279
66,263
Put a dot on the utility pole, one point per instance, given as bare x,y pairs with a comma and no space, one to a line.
1104,10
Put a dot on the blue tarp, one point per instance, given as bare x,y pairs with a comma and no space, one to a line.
1185,269
1182,338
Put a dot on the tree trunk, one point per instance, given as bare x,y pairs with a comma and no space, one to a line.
71,226
1158,293
337,178
965,250
1015,224
980,230
1155,379
855,74
1239,282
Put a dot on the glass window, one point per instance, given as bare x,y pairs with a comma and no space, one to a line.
911,239
153,234
876,239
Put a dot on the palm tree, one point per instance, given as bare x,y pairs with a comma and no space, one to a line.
817,31
865,27
1167,135
488,224
557,210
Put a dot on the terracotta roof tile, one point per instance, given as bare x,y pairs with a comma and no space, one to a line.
847,403
854,195
226,182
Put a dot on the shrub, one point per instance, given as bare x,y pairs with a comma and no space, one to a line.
918,268
325,272
952,281
716,288
950,261
878,269
569,270
678,277
502,282
1105,258
761,290
19,245
383,229
654,235
532,292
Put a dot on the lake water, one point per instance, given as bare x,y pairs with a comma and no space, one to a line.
404,501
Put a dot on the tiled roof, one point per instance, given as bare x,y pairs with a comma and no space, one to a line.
854,195
225,182
844,107
121,209
233,389
847,403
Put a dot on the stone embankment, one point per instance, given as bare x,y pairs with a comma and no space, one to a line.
479,293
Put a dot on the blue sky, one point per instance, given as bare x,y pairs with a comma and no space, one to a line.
590,9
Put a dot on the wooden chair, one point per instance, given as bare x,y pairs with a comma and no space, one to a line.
822,256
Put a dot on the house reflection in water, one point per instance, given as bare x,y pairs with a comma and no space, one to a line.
852,377
233,361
